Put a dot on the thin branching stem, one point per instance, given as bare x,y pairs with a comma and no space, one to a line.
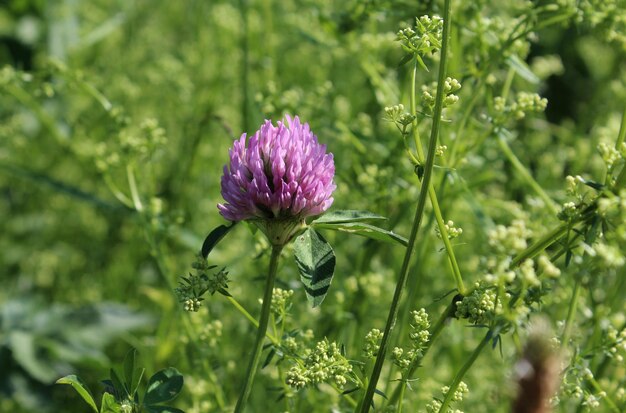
421,204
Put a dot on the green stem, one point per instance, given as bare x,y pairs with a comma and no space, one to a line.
243,8
622,132
134,192
401,397
621,178
262,330
541,244
249,317
421,203
432,194
414,126
521,169
459,376
571,312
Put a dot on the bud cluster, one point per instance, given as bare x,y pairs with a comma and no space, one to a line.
525,103
451,230
429,92
324,363
191,288
480,306
424,38
372,343
419,336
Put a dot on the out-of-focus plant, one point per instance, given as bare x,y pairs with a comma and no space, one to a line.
122,393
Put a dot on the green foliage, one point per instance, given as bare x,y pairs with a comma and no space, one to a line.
115,124
122,394
316,262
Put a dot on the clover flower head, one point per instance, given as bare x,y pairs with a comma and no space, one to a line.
281,173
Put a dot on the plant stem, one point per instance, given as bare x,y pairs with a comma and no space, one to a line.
527,177
262,330
459,376
401,398
571,311
245,115
134,192
619,182
421,203
541,244
432,194
249,317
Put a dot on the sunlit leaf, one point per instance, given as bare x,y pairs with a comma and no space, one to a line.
80,388
163,386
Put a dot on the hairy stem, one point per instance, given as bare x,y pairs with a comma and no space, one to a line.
421,203
261,331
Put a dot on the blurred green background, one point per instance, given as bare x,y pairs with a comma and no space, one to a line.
92,88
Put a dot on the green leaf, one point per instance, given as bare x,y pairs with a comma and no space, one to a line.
366,230
521,68
118,386
163,386
316,262
129,368
132,375
81,388
405,59
214,237
339,217
109,405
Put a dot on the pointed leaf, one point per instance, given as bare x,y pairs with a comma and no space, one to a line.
120,390
81,388
129,370
380,392
109,405
347,215
405,59
163,386
522,69
214,237
316,262
366,230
